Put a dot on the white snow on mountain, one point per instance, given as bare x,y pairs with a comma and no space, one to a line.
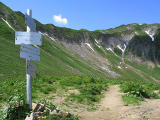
47,36
122,49
96,41
151,35
89,46
8,24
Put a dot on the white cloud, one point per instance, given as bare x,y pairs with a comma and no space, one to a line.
58,19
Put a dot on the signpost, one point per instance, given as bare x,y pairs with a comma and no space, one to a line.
31,69
26,40
30,53
30,22
33,38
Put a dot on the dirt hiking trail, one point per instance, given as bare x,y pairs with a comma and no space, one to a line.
112,108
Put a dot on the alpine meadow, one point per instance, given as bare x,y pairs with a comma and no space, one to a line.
111,74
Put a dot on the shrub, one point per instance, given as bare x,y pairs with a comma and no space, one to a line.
47,107
138,90
92,89
17,109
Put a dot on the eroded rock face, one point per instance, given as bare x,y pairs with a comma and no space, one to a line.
137,40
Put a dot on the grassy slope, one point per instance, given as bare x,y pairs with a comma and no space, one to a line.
55,58
10,63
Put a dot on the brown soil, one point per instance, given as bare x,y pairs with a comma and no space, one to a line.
112,108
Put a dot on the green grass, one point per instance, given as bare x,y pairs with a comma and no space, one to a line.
154,72
138,90
132,100
10,63
55,58
91,89
118,51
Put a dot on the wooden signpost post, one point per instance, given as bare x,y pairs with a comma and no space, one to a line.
26,40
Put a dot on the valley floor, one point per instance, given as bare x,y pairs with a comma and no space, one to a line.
113,108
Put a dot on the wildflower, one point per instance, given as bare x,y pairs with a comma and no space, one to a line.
39,117
43,117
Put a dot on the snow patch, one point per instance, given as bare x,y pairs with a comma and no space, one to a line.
150,35
51,38
106,69
89,46
110,49
96,41
98,46
122,49
8,24
41,33
48,36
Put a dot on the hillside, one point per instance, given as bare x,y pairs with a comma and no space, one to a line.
73,58
85,52
55,58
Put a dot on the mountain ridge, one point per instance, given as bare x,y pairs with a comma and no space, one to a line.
105,53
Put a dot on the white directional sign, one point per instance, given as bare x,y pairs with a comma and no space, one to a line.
33,38
30,53
31,69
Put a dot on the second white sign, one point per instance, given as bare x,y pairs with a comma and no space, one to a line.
29,52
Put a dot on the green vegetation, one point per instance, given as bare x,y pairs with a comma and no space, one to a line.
17,109
126,29
62,69
9,53
154,72
131,99
118,51
12,17
53,55
138,90
91,89
96,34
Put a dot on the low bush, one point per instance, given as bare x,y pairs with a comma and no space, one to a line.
138,90
90,90
17,109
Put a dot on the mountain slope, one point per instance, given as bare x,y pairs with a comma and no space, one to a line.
103,53
55,58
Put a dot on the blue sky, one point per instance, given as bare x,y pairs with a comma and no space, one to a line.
90,14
